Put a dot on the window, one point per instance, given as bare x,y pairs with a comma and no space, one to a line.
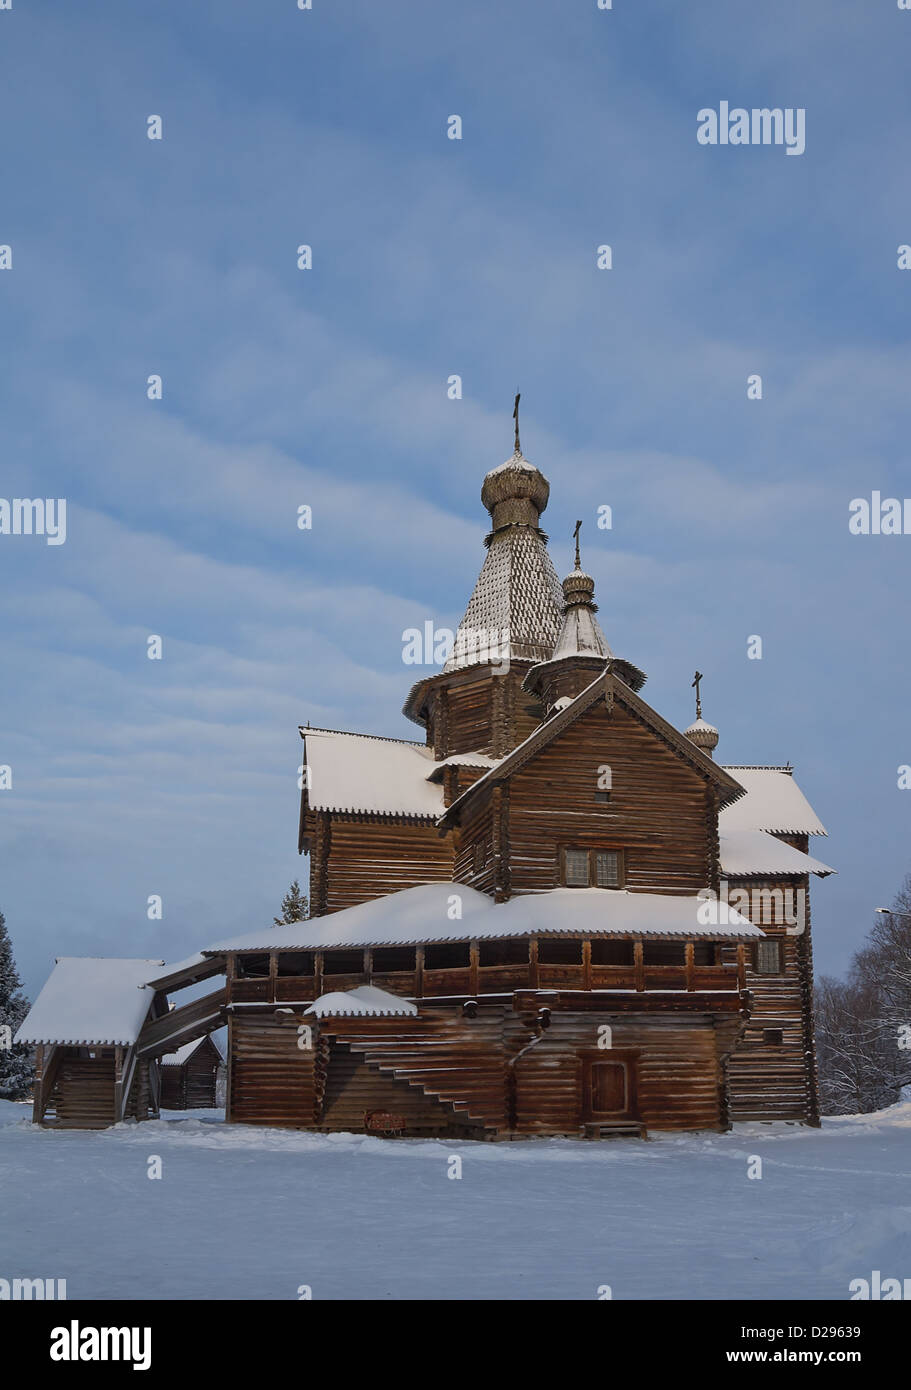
295,963
607,868
253,967
480,857
592,868
773,1035
704,953
664,953
575,868
393,958
602,795
503,952
449,955
767,958
612,953
343,963
555,950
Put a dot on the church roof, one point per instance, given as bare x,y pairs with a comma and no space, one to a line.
516,606
754,853
379,776
773,802
455,912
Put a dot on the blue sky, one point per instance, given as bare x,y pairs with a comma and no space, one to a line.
328,388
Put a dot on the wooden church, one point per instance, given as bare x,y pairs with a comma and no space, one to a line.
554,914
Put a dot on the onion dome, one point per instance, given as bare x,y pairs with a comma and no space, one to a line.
704,735
516,493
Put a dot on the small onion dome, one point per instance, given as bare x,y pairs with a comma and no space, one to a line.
705,736
516,493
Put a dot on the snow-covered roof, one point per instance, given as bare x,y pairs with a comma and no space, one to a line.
91,1000
753,852
465,760
364,1002
381,776
197,963
454,912
773,802
183,1054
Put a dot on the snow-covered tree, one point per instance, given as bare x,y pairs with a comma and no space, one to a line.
295,907
863,1023
16,1070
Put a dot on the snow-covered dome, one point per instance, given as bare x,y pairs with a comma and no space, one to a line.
704,735
516,493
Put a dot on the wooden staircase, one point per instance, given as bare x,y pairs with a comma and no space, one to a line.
462,1064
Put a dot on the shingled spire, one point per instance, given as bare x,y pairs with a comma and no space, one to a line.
512,621
581,649
516,604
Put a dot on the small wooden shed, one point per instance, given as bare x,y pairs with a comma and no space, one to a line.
189,1076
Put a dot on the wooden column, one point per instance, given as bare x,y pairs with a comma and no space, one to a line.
230,1067
473,967
419,972
690,965
586,965
38,1100
639,965
741,966
319,873
533,963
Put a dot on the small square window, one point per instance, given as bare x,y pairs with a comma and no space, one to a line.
773,1035
602,795
767,960
576,868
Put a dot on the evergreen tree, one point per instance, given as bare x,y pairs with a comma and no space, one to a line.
295,907
16,1070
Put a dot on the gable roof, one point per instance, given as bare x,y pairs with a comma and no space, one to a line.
367,1001
751,853
378,776
604,686
183,1054
773,802
91,1000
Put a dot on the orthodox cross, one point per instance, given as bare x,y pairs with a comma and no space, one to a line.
576,534
515,416
695,685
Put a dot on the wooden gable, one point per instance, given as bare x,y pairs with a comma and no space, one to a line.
607,774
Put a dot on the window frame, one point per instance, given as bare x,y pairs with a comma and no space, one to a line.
778,945
591,851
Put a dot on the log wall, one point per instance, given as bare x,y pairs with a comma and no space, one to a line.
660,812
771,1080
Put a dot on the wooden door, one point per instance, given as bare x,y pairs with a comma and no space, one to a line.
610,1087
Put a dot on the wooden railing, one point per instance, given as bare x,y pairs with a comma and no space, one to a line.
493,979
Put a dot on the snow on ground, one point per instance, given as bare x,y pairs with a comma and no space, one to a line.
243,1212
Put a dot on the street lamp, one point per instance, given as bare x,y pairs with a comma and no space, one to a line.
890,912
